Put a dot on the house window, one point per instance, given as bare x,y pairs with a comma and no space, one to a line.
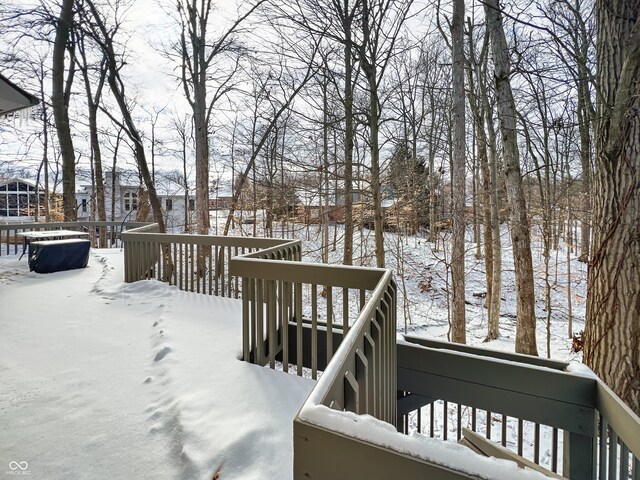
84,205
168,204
130,201
17,199
192,204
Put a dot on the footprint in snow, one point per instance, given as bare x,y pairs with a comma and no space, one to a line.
162,353
148,380
155,324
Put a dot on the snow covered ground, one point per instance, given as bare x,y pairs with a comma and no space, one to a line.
102,379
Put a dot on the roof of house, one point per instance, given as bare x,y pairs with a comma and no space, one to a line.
127,179
17,179
13,98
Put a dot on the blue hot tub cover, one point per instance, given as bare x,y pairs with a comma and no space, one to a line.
58,255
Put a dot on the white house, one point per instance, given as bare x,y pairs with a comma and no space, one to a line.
19,199
122,202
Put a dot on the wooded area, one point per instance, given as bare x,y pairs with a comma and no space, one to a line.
435,119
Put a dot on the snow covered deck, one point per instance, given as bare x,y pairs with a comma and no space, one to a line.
106,379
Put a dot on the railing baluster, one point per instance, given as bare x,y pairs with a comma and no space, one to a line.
174,264
286,315
536,444
554,450
210,272
314,331
235,254
181,263
624,461
222,270
200,260
217,272
473,419
602,448
282,324
345,311
228,276
445,420
520,435
271,320
192,267
329,323
246,349
259,321
613,453
459,423
298,317
432,408
488,426
504,431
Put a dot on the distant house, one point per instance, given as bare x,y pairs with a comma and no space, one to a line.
311,207
220,199
20,199
122,200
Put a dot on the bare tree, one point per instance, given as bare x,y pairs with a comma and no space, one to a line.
60,93
458,177
104,37
203,66
479,103
289,93
381,22
93,97
520,230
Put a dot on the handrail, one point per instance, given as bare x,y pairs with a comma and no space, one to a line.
593,430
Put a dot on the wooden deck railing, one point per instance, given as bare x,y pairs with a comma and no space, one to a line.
362,329
102,234
195,263
533,406
338,324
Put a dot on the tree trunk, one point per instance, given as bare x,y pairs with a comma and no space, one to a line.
496,276
520,230
45,146
59,104
348,141
202,158
585,117
458,321
375,172
96,153
612,336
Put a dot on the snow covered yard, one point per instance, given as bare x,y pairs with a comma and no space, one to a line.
102,379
